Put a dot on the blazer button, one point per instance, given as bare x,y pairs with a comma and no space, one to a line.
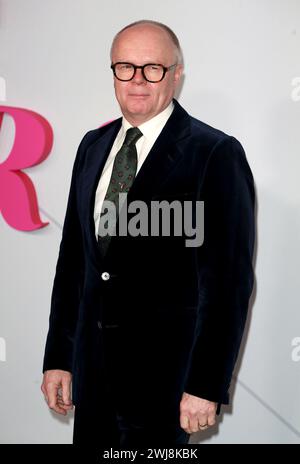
105,276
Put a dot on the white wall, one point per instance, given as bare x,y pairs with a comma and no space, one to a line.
241,57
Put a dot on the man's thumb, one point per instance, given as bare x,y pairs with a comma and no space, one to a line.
66,393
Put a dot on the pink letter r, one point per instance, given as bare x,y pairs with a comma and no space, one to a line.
32,144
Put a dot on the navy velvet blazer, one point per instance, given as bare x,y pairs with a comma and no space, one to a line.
181,310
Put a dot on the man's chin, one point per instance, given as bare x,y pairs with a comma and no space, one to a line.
137,112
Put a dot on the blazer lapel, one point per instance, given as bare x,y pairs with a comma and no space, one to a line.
96,157
163,156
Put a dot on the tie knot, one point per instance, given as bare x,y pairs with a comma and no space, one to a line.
132,136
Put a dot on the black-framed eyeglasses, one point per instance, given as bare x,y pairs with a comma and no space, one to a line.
152,72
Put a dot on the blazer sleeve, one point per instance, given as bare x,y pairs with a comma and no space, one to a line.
225,270
67,284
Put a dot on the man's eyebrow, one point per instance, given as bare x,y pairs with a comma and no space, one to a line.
146,62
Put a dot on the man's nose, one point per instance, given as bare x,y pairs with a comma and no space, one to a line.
138,77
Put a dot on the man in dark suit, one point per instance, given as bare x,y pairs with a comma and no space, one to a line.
146,327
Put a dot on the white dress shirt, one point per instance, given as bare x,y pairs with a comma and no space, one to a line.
150,130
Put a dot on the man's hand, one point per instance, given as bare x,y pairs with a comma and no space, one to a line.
196,413
56,387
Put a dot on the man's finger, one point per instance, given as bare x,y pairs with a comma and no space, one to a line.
194,427
203,427
66,407
52,390
211,420
202,419
66,391
59,410
184,423
57,407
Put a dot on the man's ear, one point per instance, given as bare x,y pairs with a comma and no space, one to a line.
178,73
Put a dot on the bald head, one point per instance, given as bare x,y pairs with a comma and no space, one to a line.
145,24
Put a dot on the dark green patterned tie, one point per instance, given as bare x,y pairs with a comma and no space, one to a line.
122,177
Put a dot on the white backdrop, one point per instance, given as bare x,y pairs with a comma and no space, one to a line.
242,75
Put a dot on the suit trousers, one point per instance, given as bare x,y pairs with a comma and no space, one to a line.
109,424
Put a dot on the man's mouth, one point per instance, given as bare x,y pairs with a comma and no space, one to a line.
138,95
